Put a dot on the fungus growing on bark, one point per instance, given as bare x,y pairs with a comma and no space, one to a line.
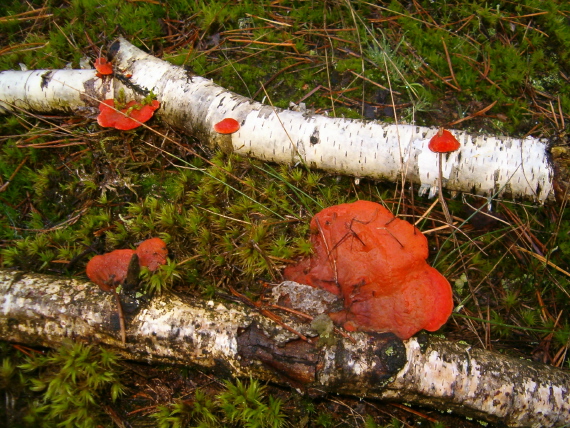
116,268
152,253
109,270
103,67
443,142
125,118
377,264
227,126
440,143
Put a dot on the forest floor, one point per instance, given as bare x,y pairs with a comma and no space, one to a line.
70,189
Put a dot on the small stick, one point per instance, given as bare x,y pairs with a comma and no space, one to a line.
266,312
311,318
121,317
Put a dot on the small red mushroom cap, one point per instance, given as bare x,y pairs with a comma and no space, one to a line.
152,253
110,269
443,142
129,117
103,67
227,126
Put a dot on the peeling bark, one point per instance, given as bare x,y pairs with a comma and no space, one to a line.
486,165
229,338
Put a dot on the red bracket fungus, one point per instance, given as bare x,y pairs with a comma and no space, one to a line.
109,270
152,253
103,67
227,126
377,264
125,118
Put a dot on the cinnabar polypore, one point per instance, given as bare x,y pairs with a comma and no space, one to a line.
227,126
377,264
103,67
128,117
152,253
443,142
109,270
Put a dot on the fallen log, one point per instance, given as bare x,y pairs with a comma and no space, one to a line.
485,165
236,340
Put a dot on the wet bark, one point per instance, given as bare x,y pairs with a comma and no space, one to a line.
232,339
485,165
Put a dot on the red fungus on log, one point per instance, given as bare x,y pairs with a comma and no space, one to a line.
103,67
109,270
152,253
440,143
227,126
377,264
128,117
443,142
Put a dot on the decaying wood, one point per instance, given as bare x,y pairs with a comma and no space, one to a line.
230,338
486,165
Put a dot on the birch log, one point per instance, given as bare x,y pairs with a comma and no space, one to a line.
485,165
232,339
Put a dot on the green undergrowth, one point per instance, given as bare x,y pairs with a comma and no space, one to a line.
227,218
66,387
240,405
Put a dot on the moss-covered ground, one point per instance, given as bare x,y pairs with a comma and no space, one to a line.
70,189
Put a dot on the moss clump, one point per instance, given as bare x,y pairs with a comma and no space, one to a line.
64,387
324,326
241,404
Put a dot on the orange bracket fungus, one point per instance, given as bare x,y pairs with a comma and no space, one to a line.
377,264
109,270
152,253
125,118
227,126
443,142
103,67
112,269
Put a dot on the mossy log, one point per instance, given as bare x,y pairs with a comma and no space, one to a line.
485,165
236,340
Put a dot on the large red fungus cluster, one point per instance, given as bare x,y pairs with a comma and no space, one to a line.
128,117
122,116
109,270
377,264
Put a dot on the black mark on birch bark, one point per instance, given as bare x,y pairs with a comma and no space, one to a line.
314,139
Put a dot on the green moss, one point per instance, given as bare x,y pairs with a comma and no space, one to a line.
241,404
65,387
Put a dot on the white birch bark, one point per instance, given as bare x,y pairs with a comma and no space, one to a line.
53,91
486,165
44,310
